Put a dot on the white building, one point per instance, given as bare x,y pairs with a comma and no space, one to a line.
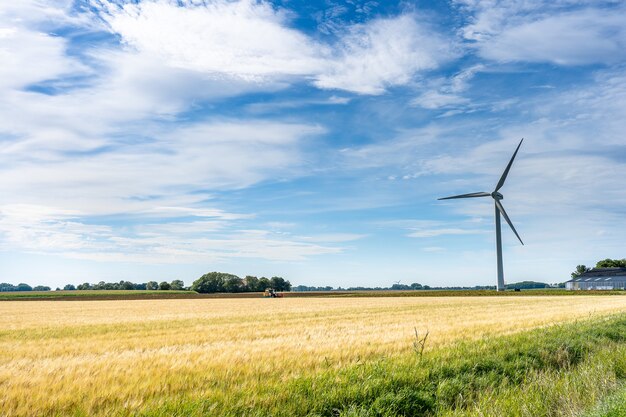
599,279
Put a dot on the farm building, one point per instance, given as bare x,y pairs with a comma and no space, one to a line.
599,279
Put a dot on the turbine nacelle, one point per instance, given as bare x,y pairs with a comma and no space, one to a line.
497,196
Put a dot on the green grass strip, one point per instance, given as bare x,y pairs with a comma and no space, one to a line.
562,370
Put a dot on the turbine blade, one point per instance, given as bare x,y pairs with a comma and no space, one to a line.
508,167
506,217
470,195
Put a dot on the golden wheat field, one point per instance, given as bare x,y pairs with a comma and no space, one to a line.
114,357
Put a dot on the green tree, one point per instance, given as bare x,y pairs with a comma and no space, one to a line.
126,285
177,285
211,282
279,284
23,287
611,263
152,285
41,288
251,283
165,285
233,284
69,287
264,284
580,269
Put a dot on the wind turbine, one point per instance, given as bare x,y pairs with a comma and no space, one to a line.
497,196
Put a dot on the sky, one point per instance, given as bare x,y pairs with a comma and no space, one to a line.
160,139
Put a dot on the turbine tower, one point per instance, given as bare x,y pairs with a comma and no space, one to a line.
499,209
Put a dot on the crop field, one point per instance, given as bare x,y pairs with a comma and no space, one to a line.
94,294
313,356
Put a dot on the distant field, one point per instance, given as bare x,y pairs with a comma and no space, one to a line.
144,294
97,294
465,293
322,356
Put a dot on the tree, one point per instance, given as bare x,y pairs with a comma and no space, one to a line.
165,286
233,284
526,285
152,285
5,286
211,282
23,287
264,284
69,287
400,287
177,285
580,269
611,263
279,284
41,288
84,286
251,283
126,285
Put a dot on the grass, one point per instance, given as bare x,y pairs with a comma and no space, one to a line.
321,356
612,406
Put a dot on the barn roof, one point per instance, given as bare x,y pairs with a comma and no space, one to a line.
602,275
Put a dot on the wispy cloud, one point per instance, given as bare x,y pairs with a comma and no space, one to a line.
41,229
384,53
561,32
253,41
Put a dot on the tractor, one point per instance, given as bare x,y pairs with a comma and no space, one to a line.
271,293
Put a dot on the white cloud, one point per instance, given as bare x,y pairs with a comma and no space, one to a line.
112,145
561,32
384,53
252,41
584,37
21,47
436,100
165,167
43,229
243,39
425,233
448,93
334,237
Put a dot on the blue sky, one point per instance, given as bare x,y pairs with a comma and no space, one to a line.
161,139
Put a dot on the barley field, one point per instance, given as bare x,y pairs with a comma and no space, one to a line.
235,356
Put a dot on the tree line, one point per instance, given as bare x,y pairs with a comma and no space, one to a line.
176,285
397,286
605,263
6,287
215,282
212,282
416,286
